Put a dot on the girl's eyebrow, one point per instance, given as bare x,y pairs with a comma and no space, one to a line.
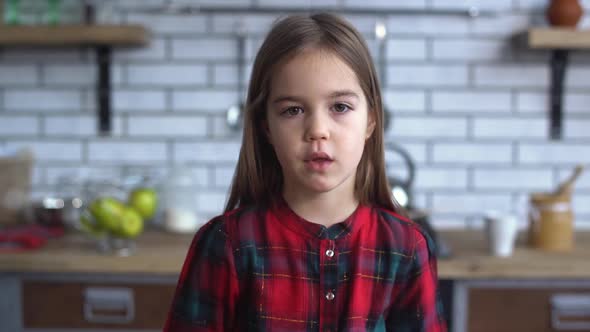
335,94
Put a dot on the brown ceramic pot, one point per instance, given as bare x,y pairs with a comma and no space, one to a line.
564,13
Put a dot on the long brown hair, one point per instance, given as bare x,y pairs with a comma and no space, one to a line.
258,177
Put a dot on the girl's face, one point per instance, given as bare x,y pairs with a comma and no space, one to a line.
318,122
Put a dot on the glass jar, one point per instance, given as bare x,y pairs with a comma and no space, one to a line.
105,209
180,196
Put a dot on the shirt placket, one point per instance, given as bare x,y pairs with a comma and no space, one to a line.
328,286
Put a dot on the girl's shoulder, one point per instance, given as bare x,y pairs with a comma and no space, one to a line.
394,219
401,226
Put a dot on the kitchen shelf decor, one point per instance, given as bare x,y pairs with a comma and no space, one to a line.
560,41
170,7
102,38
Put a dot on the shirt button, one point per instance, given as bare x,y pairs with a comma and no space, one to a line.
330,253
329,296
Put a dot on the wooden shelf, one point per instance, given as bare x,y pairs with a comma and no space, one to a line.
560,42
102,38
73,35
558,38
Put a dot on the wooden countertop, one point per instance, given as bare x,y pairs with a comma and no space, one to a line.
470,259
163,254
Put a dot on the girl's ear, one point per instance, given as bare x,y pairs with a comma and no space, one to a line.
370,124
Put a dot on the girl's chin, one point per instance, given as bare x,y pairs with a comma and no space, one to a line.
319,186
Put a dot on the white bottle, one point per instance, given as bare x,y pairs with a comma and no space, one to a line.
180,197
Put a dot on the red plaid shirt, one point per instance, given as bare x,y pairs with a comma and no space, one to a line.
270,270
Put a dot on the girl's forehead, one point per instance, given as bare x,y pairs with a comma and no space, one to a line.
313,71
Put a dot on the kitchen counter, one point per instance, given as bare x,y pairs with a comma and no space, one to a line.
161,253
470,259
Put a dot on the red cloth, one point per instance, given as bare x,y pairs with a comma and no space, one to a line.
23,238
258,269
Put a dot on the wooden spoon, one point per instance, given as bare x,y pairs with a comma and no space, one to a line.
566,186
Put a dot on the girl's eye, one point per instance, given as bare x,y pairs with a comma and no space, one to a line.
341,108
292,111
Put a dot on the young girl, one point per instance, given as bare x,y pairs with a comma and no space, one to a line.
310,239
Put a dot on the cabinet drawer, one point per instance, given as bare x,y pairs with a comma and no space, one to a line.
528,309
50,304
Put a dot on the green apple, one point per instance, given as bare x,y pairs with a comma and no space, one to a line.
144,201
89,227
107,213
131,224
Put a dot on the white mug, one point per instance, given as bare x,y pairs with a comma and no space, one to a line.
501,232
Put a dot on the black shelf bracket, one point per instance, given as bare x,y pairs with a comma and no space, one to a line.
103,89
558,62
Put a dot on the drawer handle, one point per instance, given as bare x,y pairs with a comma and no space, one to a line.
109,305
576,307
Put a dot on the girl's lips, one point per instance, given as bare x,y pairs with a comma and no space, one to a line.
318,164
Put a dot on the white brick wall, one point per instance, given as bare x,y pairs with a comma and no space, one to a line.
471,50
117,151
512,75
406,49
503,25
211,203
427,26
169,24
207,152
427,75
428,127
204,49
402,100
168,126
578,78
255,23
513,179
42,100
472,153
139,100
430,178
51,150
472,203
472,101
554,153
19,125
510,128
485,5
69,75
204,100
167,75
156,50
383,3
576,128
74,125
18,75
469,104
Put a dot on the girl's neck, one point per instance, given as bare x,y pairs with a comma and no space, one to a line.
325,209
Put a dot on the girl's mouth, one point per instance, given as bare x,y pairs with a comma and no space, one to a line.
318,164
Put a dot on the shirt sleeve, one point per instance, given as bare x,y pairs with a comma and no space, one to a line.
419,307
207,289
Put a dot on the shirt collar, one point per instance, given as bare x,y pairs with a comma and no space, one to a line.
283,212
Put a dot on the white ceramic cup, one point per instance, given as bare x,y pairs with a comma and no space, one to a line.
501,232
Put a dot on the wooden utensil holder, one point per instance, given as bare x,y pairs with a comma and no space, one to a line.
551,225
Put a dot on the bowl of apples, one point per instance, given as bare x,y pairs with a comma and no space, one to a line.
115,218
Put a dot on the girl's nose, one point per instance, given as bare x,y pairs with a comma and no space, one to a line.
317,127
